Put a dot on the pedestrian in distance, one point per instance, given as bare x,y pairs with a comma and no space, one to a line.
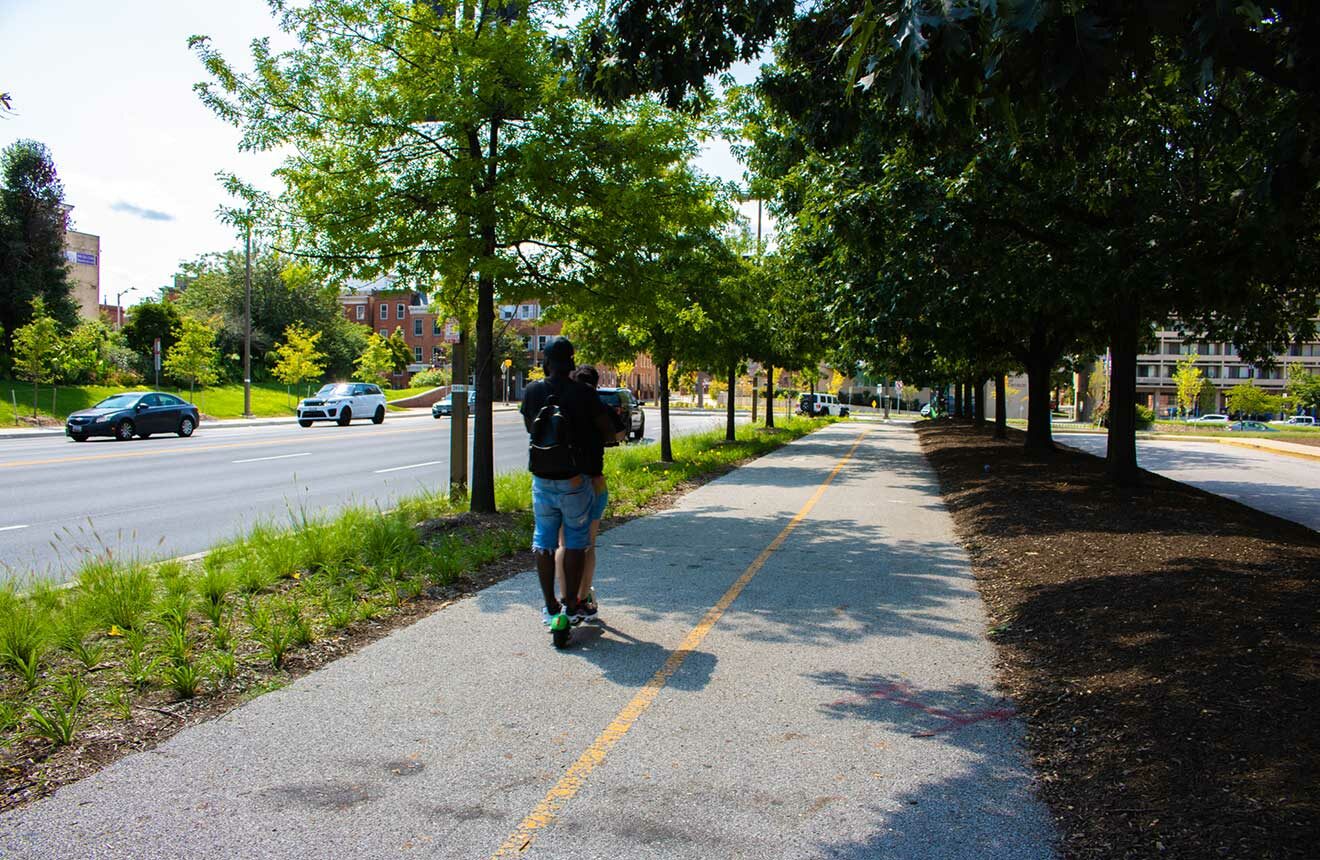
593,450
561,416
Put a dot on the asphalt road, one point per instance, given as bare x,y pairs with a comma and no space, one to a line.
166,496
1278,484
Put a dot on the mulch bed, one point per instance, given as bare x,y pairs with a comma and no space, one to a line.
1162,645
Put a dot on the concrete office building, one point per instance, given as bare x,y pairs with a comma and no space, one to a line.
1220,365
83,253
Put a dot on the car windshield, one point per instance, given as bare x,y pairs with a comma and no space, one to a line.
334,388
118,401
609,398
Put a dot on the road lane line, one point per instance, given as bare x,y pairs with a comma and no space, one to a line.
413,466
276,457
11,528
575,777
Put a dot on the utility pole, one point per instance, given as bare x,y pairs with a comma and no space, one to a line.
247,321
458,402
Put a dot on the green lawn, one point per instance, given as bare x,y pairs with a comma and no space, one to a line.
269,399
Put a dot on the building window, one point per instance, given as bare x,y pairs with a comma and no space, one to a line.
384,312
527,342
435,327
1146,371
399,310
437,354
417,328
541,342
361,312
384,332
417,353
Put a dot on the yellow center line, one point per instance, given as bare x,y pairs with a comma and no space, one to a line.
196,449
575,777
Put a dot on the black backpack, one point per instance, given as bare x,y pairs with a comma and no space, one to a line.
551,449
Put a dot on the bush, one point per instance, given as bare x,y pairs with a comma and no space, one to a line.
429,378
1145,416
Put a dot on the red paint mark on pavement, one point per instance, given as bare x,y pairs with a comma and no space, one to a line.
903,695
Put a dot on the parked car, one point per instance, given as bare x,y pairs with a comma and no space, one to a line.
1214,418
342,402
445,405
1254,426
134,413
629,408
822,404
925,410
1297,421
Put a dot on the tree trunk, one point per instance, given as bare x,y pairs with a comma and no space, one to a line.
770,396
978,397
729,434
35,395
1039,363
666,450
754,395
1001,406
483,441
1121,460
957,400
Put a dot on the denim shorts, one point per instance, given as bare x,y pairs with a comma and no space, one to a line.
598,506
557,504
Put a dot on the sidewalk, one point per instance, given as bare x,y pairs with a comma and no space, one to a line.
842,705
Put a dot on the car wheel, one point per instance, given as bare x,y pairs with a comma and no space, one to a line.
302,423
345,417
125,430
843,413
379,416
824,410
641,431
186,427
78,437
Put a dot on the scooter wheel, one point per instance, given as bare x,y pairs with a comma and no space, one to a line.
562,637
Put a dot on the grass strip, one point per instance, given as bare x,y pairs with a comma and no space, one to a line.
87,671
269,400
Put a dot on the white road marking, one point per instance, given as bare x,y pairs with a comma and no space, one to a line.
413,466
277,457
11,528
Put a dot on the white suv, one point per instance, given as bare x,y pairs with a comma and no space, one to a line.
824,404
342,402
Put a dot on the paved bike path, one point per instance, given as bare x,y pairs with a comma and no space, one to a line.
842,706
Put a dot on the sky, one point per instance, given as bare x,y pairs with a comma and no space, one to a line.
108,88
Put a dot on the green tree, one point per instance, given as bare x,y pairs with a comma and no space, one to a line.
1187,377
297,358
1303,388
376,361
147,321
37,349
285,292
87,352
32,226
1247,400
194,354
448,145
